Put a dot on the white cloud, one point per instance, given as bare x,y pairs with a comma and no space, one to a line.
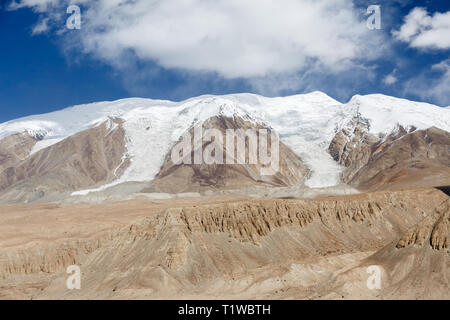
390,79
441,88
234,38
38,5
432,87
422,30
41,27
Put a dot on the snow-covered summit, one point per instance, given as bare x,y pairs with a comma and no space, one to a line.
307,123
384,112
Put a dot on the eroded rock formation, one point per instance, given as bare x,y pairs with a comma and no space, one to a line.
407,157
178,251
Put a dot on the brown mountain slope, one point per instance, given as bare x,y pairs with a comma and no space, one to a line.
15,148
222,249
417,266
86,159
178,178
403,159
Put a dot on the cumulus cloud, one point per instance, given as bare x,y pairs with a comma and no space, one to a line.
422,30
232,38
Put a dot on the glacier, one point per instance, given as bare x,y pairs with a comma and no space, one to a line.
306,123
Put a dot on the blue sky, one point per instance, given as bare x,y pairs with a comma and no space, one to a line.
176,52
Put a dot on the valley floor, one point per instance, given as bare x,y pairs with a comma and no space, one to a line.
230,247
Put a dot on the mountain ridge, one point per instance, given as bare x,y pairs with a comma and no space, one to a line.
306,123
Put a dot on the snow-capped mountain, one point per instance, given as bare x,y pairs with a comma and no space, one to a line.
306,123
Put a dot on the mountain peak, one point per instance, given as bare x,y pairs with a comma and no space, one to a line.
306,123
386,112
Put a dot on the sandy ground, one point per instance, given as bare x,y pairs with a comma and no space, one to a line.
222,247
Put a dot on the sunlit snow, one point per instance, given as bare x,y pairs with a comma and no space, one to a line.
306,123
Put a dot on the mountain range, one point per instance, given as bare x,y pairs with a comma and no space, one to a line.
358,186
370,143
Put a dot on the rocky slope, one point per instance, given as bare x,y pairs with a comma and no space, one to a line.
228,246
88,158
433,232
226,249
420,259
329,137
15,148
404,158
242,173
